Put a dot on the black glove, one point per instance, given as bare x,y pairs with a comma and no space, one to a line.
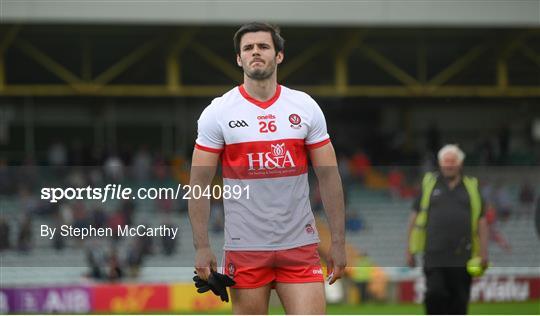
217,283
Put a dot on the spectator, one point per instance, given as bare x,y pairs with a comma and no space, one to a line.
502,200
24,240
353,222
526,198
128,209
142,164
344,167
117,219
114,168
6,181
4,234
360,165
135,257
361,275
96,257
57,154
66,213
80,215
114,268
99,218
29,203
93,260
168,244
216,213
58,240
494,233
395,183
161,170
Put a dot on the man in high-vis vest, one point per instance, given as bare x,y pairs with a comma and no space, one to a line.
448,227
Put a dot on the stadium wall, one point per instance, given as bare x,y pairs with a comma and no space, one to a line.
108,298
182,297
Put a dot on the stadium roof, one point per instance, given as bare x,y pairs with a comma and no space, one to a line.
437,13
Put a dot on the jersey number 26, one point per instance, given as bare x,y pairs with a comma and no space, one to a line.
267,127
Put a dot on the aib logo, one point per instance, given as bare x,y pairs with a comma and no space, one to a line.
278,158
295,121
241,123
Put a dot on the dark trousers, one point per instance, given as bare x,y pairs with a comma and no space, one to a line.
448,290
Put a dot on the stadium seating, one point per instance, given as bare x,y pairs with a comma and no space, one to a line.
383,239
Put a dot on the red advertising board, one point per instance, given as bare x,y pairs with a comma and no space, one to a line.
131,298
486,289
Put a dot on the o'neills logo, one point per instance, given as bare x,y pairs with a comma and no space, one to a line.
266,117
278,158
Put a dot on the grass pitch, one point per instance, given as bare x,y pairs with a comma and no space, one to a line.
513,308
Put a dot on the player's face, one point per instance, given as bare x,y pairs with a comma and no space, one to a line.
258,56
450,165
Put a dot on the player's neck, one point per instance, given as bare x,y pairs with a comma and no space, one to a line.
261,90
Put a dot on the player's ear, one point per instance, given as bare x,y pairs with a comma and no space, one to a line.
279,57
238,60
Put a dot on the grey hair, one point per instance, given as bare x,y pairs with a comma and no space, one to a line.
453,149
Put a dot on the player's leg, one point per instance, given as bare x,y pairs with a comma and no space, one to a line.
302,298
252,271
299,280
251,301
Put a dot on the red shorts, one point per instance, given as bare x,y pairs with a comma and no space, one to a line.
252,269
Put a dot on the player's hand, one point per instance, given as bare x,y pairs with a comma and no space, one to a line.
202,285
337,261
217,283
205,262
411,262
484,262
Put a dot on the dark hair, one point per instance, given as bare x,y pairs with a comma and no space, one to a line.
279,42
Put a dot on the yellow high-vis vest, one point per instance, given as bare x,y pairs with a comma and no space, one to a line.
417,241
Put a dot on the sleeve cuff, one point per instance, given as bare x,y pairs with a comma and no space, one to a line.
318,144
209,149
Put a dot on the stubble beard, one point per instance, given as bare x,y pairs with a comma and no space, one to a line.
261,74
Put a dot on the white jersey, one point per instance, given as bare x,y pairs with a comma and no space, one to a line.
264,145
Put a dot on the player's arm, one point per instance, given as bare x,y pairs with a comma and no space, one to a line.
325,165
203,169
